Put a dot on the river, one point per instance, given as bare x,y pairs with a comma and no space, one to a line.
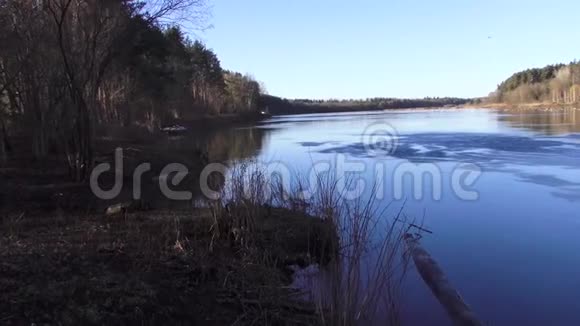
499,190
508,240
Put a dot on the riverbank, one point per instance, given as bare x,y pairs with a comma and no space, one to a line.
63,260
155,267
221,120
523,106
28,183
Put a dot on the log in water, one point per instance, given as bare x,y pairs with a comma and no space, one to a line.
432,274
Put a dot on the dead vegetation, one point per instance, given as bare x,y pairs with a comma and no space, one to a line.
227,264
149,268
359,248
230,262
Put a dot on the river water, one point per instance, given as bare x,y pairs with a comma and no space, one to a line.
499,190
507,236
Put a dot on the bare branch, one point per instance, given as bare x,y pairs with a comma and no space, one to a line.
167,12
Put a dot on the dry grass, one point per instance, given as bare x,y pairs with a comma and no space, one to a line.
230,261
149,268
359,248
11,223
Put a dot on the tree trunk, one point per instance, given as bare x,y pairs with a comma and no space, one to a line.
2,146
79,149
5,146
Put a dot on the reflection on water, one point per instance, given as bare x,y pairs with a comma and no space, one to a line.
194,150
222,144
553,122
423,147
513,252
491,152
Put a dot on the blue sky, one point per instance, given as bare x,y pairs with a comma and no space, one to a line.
380,48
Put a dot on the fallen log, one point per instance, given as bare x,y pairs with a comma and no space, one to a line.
458,310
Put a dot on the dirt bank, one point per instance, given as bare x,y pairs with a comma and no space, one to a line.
155,267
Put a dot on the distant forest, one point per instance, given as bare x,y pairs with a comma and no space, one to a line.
554,84
277,105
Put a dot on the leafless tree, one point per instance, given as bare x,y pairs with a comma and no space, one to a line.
54,58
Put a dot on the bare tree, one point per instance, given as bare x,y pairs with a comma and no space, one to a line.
560,85
55,58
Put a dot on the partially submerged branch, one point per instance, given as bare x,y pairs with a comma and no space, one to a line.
434,277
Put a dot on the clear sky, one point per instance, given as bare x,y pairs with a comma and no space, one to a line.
381,48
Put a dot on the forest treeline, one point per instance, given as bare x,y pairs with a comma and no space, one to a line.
278,105
558,83
68,67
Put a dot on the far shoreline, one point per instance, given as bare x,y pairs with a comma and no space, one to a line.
523,106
